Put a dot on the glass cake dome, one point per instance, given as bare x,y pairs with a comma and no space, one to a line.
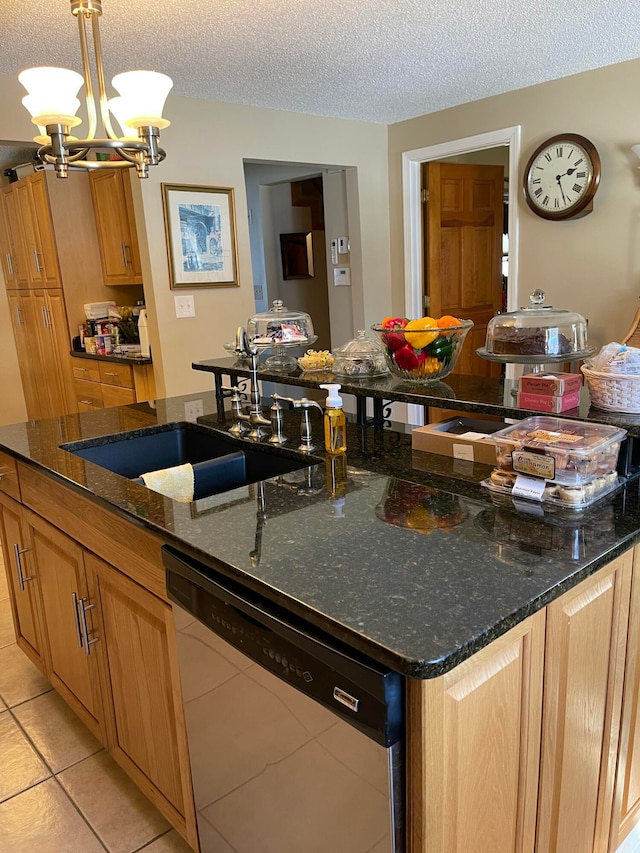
280,326
536,333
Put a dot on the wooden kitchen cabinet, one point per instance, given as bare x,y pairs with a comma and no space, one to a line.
139,676
39,324
474,747
584,676
23,579
106,384
72,645
11,241
40,260
115,221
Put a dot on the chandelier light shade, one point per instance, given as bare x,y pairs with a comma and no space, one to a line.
53,103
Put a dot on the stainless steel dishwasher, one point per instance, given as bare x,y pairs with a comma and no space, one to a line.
296,743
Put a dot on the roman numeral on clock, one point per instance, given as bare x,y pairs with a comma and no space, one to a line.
538,192
576,188
547,157
545,201
559,151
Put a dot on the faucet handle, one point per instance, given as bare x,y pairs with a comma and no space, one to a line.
242,343
276,420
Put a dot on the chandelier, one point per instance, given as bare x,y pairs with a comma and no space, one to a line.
53,103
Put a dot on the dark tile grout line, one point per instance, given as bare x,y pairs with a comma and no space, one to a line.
54,775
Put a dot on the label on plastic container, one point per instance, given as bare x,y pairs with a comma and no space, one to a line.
528,487
534,464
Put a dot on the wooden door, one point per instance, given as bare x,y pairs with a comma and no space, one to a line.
463,224
584,674
60,344
145,717
474,747
44,225
71,650
22,576
14,245
49,382
118,248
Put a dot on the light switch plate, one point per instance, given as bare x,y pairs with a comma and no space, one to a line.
343,245
342,276
185,306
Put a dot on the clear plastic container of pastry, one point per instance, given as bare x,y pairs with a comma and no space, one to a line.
571,453
280,326
359,357
573,497
535,332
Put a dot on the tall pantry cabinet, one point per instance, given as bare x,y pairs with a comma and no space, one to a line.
48,251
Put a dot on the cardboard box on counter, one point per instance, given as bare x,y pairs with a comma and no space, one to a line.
548,402
554,384
460,438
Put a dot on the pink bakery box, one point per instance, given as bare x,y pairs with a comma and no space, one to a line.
548,402
552,384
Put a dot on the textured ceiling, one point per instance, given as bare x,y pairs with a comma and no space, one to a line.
375,60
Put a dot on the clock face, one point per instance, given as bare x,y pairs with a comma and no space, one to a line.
561,177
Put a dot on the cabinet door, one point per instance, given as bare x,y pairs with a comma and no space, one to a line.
116,227
72,645
33,250
22,576
14,250
44,229
145,719
59,344
584,672
627,796
474,747
25,332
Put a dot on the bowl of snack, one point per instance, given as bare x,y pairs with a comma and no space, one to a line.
424,350
314,361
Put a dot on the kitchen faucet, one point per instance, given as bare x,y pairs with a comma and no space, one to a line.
254,416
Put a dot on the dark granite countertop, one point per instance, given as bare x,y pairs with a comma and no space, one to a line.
129,358
418,567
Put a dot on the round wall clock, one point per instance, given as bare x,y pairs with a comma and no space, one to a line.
562,176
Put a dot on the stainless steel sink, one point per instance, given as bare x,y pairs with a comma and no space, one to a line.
220,462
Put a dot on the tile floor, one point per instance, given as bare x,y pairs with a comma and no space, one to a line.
60,792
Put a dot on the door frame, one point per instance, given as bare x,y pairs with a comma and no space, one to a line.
411,162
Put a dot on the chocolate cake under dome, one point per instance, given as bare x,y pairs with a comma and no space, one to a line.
536,330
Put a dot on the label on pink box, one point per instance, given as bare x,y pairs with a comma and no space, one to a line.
554,384
548,402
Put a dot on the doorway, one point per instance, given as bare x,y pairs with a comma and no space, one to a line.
412,207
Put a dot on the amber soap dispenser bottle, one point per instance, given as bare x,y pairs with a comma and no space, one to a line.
335,422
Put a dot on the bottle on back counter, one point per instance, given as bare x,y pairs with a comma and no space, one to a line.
335,422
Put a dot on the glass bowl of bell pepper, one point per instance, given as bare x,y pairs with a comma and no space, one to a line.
424,350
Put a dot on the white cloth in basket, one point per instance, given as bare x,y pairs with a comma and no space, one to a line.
616,358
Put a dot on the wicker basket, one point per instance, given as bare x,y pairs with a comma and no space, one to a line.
613,392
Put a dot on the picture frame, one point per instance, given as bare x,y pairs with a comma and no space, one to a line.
200,229
297,255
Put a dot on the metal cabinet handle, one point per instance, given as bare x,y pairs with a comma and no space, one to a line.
18,316
125,254
18,551
109,374
10,263
88,402
76,615
36,260
82,610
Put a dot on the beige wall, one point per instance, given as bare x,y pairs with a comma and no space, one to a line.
591,265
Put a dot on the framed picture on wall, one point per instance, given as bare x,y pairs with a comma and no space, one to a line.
297,255
201,236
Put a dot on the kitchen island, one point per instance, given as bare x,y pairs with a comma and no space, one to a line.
511,627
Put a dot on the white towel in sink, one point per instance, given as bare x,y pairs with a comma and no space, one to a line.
176,482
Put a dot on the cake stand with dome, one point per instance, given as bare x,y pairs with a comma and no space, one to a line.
280,329
536,335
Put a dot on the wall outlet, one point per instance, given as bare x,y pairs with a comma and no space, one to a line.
193,409
185,306
258,292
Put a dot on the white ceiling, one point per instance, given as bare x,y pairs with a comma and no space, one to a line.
374,60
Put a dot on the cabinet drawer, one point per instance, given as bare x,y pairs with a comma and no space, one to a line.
89,370
114,396
88,395
116,374
9,476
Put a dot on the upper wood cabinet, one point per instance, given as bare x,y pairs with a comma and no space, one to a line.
115,221
40,260
12,241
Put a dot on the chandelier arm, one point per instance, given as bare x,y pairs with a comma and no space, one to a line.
86,67
102,88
